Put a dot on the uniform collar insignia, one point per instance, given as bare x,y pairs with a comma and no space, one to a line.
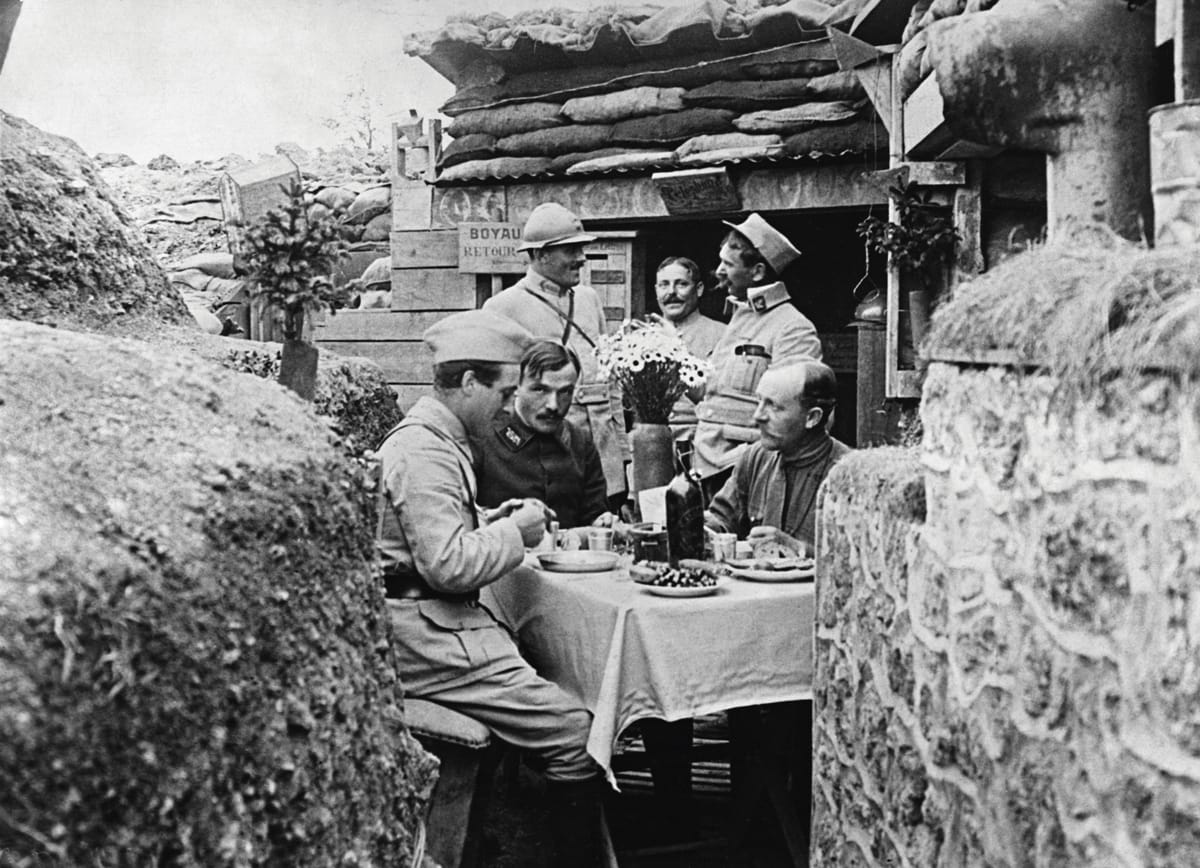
514,434
768,297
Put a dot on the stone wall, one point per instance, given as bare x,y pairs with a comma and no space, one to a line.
1015,682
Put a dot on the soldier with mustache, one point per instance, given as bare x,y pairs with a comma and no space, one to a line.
550,302
534,451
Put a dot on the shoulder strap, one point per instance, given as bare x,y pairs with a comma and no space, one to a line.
568,318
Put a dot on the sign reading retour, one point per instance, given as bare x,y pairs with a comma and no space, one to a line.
490,248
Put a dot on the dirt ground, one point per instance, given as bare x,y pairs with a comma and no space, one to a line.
644,835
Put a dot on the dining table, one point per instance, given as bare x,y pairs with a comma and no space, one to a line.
631,654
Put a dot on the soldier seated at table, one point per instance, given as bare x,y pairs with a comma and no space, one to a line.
534,451
775,481
437,551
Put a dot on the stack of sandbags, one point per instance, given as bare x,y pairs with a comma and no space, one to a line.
752,108
912,65
212,291
365,211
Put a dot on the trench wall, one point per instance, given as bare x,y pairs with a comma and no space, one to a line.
1007,666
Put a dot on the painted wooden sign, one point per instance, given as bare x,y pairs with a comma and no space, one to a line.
248,193
697,191
490,248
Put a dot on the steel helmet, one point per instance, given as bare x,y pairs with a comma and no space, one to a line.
551,224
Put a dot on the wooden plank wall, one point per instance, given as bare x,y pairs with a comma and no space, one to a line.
426,286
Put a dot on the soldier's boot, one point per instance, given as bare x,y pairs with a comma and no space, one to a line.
576,819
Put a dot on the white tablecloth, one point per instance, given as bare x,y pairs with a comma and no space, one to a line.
629,654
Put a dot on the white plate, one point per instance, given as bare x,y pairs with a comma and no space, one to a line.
578,562
774,575
671,591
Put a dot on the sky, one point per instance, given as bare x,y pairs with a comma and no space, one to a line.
198,79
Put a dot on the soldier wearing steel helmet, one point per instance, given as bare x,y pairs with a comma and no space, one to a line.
550,302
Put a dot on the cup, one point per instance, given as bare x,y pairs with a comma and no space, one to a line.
649,541
724,546
600,539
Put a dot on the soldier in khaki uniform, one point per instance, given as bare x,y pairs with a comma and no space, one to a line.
550,302
765,331
437,552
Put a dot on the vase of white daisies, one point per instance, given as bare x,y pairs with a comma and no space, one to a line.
653,369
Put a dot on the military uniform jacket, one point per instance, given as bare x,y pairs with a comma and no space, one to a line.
725,418
701,335
429,523
540,306
561,469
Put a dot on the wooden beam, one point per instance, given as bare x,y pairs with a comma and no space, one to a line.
486,203
1187,50
441,289
968,220
412,205
376,325
401,361
437,248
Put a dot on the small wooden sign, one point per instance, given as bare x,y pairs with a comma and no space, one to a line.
490,248
697,191
248,193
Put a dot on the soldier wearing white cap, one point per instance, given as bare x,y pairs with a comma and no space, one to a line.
764,331
550,302
437,551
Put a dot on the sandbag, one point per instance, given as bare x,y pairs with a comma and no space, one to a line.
508,120
552,143
908,65
560,164
746,96
368,204
501,167
915,16
193,279
721,155
379,228
476,146
723,141
940,9
793,120
673,129
788,68
335,198
862,135
212,263
635,102
628,160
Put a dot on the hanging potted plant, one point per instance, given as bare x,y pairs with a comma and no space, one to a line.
921,244
290,254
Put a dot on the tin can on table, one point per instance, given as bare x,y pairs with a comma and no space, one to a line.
649,541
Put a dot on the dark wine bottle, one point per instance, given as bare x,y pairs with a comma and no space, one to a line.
685,517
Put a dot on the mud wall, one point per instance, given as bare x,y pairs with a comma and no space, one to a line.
195,658
1014,682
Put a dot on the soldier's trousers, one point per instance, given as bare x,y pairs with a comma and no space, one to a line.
458,655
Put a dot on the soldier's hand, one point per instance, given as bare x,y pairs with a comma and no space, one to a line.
505,509
531,522
604,519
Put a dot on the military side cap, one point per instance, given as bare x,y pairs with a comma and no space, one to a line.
477,335
767,240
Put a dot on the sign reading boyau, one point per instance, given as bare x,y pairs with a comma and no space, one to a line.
490,248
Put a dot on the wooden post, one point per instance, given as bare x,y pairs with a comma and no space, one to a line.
1187,50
